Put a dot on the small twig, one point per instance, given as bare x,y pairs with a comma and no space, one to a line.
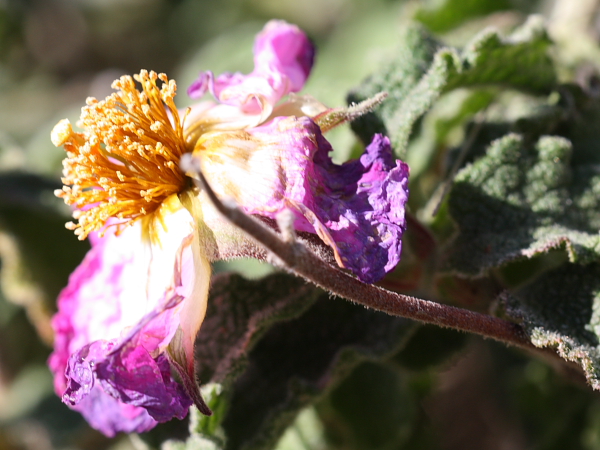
298,259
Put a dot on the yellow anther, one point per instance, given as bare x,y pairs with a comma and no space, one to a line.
116,168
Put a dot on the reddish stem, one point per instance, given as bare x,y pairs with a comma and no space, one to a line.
297,258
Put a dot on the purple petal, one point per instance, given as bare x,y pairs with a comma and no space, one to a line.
110,416
283,59
370,194
282,48
357,208
117,316
201,85
129,374
135,378
102,411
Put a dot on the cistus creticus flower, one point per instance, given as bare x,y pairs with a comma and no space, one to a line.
128,318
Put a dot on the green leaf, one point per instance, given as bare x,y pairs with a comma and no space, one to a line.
561,310
216,400
522,199
447,14
443,127
430,346
194,442
424,69
239,313
306,433
373,408
401,79
296,361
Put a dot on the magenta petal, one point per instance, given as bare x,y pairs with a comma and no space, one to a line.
129,374
110,416
363,208
283,59
135,378
115,320
284,49
357,208
201,85
65,327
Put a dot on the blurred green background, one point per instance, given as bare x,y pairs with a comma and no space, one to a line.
54,54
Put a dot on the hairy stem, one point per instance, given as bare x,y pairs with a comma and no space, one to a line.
295,257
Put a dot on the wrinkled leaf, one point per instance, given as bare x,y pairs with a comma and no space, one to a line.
239,312
265,363
424,69
297,360
522,199
372,408
440,16
561,310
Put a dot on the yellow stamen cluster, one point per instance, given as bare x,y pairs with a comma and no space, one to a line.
126,163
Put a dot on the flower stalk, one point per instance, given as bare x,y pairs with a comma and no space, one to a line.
294,256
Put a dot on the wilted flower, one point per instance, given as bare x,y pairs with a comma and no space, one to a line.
132,309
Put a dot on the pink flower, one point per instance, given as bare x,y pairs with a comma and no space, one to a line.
283,59
118,318
133,307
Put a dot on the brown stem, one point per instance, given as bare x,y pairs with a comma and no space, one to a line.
298,259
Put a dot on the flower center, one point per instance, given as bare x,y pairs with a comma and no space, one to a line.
126,163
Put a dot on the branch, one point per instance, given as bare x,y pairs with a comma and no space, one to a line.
297,258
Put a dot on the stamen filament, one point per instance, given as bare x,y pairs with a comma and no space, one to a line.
126,163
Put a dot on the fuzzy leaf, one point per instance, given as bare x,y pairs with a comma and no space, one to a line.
447,14
297,360
522,199
239,312
424,69
561,310
372,408
430,346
